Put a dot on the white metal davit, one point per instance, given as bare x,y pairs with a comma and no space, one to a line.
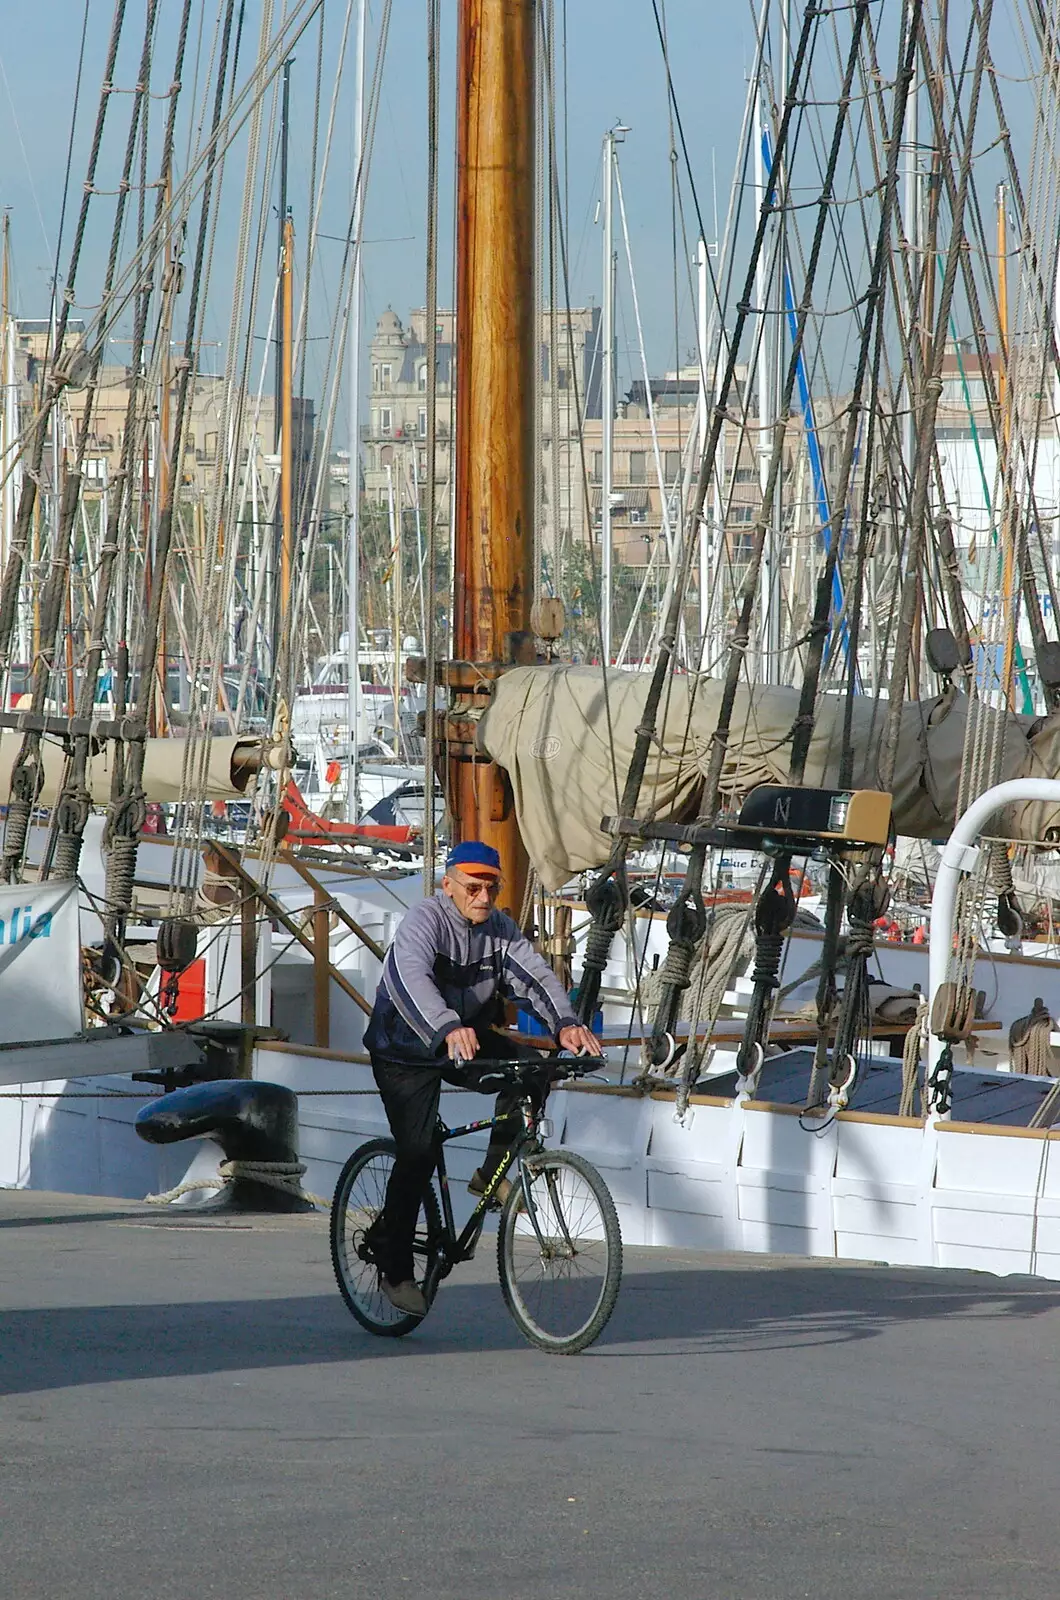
960,855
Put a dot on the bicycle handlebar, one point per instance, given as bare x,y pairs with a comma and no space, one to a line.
572,1066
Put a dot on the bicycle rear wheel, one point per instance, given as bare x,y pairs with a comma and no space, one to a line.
560,1278
359,1196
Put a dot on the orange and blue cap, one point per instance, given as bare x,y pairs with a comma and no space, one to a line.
477,859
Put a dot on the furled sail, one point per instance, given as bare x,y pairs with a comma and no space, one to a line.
231,763
565,739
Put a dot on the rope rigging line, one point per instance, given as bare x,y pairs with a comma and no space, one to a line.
9,590
765,919
557,214
71,812
1007,455
206,685
315,488
606,896
980,765
875,304
126,816
128,284
741,636
927,419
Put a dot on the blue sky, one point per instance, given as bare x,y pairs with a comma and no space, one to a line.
614,72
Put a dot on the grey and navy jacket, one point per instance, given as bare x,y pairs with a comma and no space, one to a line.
443,972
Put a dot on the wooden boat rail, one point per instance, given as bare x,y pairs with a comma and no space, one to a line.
318,944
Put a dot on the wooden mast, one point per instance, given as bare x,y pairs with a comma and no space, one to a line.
495,337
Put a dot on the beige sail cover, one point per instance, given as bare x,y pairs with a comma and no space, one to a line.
566,745
163,769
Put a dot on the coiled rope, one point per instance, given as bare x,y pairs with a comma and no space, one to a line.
286,1176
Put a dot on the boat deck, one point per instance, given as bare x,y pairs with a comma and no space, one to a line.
1002,1099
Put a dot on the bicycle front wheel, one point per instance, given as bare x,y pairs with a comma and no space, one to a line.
560,1259
359,1196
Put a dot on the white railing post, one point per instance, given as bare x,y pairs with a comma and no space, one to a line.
960,854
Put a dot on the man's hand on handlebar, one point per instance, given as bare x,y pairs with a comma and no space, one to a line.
578,1040
462,1044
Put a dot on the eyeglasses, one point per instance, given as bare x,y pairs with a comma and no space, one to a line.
475,887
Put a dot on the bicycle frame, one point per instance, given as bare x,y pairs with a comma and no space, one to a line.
453,1247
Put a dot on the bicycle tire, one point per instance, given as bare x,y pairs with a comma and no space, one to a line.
553,1306
357,1202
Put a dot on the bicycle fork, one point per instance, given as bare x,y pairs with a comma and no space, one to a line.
546,1246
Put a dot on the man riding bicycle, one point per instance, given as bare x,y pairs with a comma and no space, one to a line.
454,961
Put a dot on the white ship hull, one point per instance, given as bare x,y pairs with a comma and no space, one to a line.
734,1175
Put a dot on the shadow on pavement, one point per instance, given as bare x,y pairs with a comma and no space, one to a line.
81,1217
690,1311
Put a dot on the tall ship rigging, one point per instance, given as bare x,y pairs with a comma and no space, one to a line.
726,780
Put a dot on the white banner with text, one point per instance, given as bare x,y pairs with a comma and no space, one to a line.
40,962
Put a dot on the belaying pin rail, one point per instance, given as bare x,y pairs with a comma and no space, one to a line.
776,816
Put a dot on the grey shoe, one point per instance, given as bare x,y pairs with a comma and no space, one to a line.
478,1182
406,1296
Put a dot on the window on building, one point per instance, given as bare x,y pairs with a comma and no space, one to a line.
672,465
953,391
746,474
386,456
562,378
386,422
375,376
386,375
742,514
598,465
423,422
421,377
637,514
422,464
636,466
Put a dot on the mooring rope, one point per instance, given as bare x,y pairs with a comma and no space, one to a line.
286,1176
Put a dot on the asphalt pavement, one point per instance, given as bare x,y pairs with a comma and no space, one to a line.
187,1410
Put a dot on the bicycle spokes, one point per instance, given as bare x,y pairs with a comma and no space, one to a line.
356,1209
560,1252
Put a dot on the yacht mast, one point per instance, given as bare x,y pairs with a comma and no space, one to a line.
701,441
353,492
607,365
8,429
764,446
286,438
494,466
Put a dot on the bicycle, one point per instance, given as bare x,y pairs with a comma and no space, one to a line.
559,1248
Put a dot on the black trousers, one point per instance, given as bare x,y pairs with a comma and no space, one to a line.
410,1095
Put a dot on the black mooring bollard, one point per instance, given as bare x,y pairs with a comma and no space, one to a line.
254,1123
